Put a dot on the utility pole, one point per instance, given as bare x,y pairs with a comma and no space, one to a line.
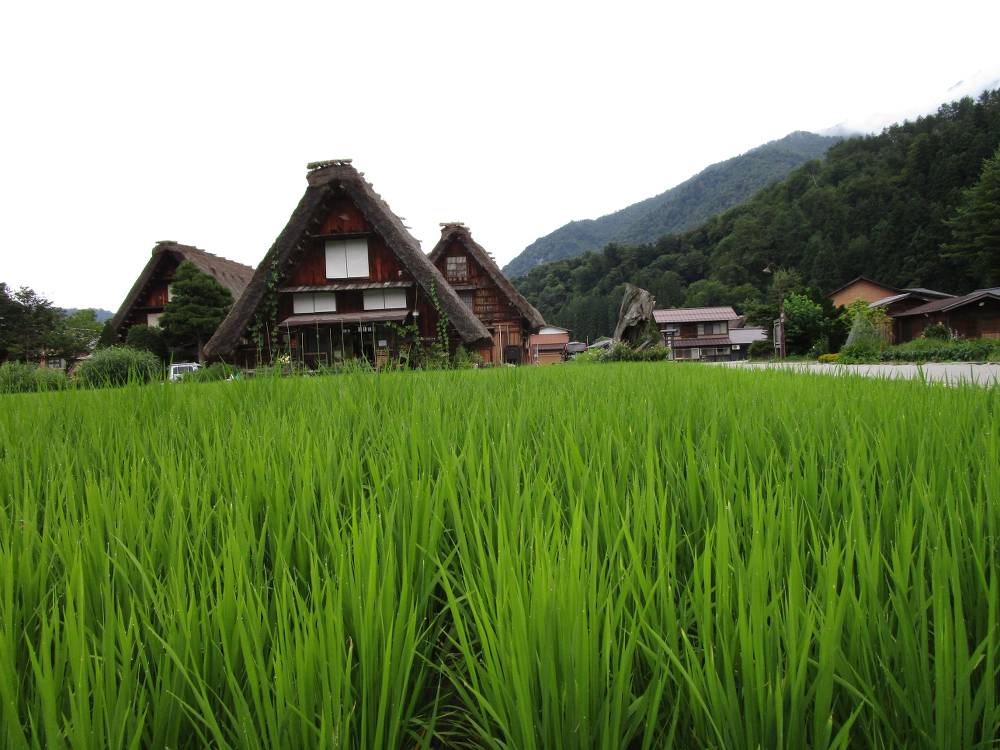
779,333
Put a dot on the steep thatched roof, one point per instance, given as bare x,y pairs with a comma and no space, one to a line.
232,275
460,233
339,178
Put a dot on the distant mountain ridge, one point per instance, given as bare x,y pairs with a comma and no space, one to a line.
100,314
911,206
713,190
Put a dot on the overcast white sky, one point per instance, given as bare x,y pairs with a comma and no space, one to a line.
123,124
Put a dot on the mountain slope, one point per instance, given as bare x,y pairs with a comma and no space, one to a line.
711,191
100,314
882,206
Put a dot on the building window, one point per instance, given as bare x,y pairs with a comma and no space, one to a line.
170,291
711,329
385,299
303,304
347,259
457,268
153,320
468,297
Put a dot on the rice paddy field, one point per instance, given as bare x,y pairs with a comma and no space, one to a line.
605,556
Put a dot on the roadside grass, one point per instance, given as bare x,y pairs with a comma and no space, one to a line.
636,555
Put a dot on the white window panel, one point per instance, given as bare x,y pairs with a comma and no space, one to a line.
325,302
170,292
153,320
357,257
336,259
347,259
395,299
374,299
303,303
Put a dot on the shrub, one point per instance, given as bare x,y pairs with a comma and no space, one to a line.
463,359
866,334
864,351
622,352
216,371
148,338
23,377
588,357
119,365
760,350
820,347
829,359
937,331
940,350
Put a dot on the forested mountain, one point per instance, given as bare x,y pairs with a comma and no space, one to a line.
683,207
100,314
886,206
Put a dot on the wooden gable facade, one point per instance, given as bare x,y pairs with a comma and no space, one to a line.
150,293
344,280
486,291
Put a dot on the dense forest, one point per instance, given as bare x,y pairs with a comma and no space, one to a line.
711,191
894,206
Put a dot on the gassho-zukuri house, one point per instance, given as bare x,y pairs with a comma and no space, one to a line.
342,281
151,292
484,289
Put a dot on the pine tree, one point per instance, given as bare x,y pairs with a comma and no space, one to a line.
198,306
975,227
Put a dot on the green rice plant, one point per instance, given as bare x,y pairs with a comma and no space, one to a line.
629,556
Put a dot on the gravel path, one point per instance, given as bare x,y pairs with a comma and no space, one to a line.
952,373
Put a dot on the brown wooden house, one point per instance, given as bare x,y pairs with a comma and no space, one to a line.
344,279
548,345
484,289
861,287
896,305
151,291
699,333
972,316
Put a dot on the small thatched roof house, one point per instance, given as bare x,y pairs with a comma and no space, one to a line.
485,290
342,280
151,291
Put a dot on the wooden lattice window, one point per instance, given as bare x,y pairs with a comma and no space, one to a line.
457,268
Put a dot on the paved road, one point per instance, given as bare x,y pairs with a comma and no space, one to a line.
953,373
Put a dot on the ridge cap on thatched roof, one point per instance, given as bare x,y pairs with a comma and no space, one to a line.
232,275
322,179
457,230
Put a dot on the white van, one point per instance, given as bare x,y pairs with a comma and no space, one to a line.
179,369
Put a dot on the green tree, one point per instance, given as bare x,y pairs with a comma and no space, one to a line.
707,293
198,306
975,227
148,338
10,315
77,333
32,324
805,323
108,337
